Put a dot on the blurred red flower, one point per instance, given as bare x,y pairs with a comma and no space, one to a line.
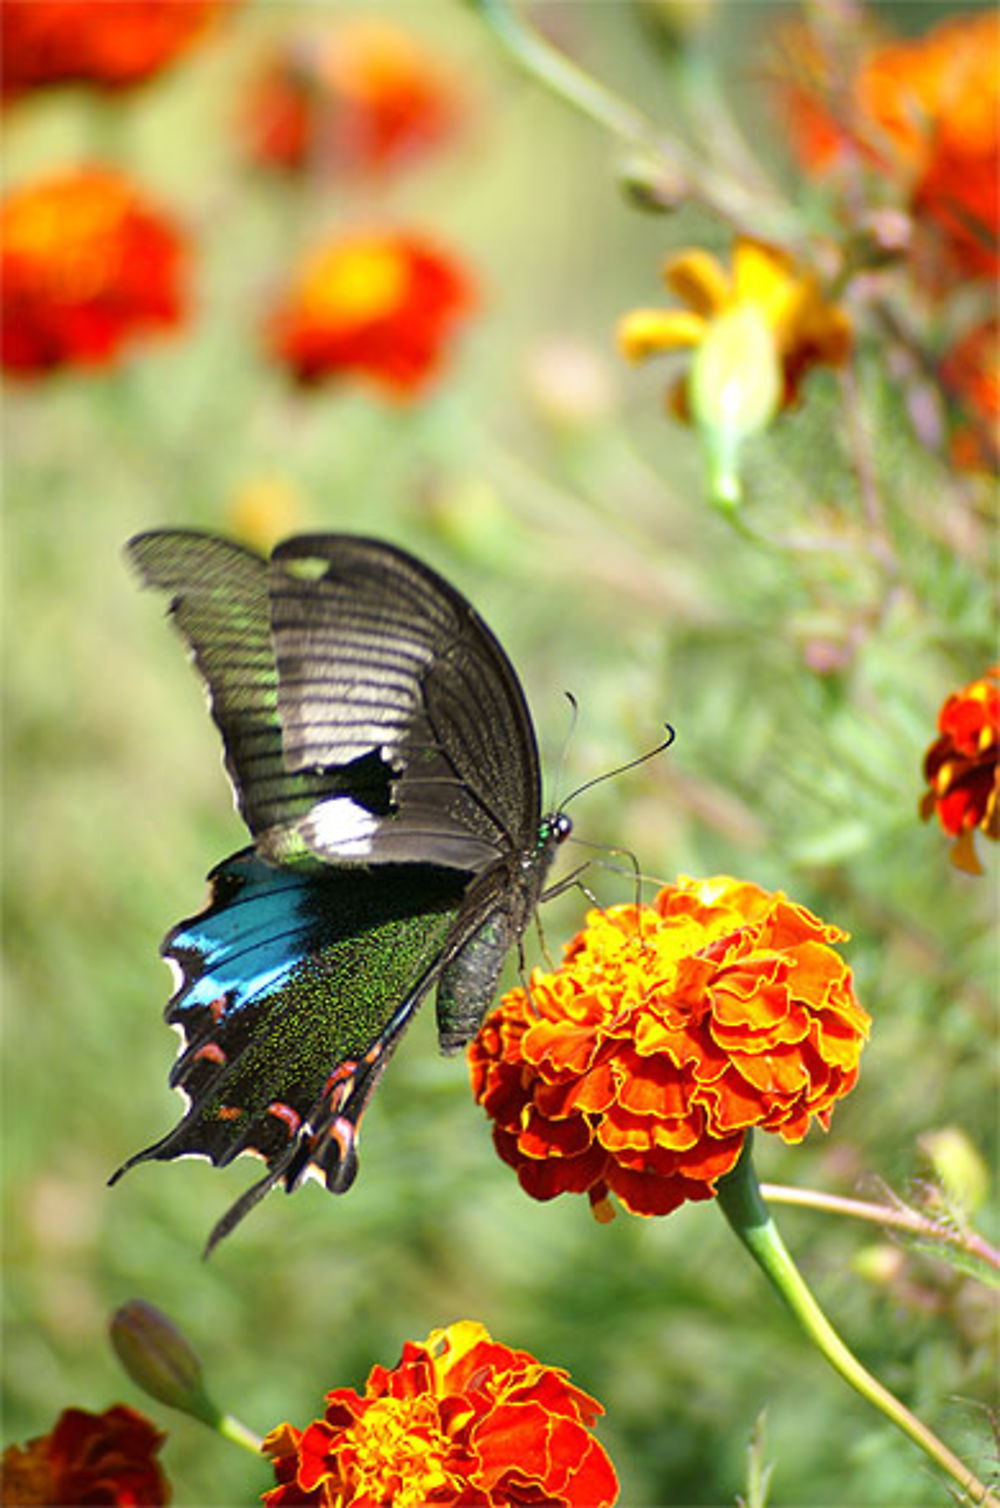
381,306
669,1030
970,374
461,1419
962,768
927,110
363,96
87,1458
94,41
86,265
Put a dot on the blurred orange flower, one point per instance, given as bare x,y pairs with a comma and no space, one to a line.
962,768
461,1419
86,265
805,329
927,108
91,41
381,306
87,1458
363,96
970,373
668,1031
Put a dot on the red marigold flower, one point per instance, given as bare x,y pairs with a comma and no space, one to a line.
970,373
460,1419
962,768
90,41
669,1030
87,1458
364,96
927,108
86,265
379,305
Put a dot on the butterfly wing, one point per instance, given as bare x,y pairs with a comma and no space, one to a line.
293,989
219,603
367,712
373,725
377,653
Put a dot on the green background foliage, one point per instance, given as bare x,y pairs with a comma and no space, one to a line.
588,547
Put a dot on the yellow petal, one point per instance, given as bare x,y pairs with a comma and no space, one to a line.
762,274
699,279
644,332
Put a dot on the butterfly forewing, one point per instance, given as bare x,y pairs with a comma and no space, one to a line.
219,603
375,651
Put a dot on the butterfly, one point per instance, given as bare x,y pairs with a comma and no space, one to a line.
383,757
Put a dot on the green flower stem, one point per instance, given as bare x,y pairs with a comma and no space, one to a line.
740,1198
231,1429
553,69
889,1216
692,178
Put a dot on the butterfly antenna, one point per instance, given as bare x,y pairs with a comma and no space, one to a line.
574,718
621,769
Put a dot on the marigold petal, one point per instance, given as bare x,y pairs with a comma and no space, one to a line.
544,1178
699,279
561,1138
963,853
646,332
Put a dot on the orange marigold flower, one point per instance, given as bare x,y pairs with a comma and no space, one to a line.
667,1032
86,265
460,1419
804,328
364,96
962,768
90,41
88,1458
379,305
970,373
927,108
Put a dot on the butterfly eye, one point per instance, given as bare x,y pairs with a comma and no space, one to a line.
560,827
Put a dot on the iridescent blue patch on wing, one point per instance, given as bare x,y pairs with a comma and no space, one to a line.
293,989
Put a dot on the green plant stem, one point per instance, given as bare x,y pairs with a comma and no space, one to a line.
692,178
891,1216
230,1428
740,1198
552,68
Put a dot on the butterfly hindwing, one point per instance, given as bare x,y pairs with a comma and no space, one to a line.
292,992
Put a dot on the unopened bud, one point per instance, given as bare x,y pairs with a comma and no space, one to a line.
159,1360
957,1166
652,184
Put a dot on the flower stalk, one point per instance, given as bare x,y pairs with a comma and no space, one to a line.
888,1216
742,1204
691,178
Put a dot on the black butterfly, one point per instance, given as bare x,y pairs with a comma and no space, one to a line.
384,760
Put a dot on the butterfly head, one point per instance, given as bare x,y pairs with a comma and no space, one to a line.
552,830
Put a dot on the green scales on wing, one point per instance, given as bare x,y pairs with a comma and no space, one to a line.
383,758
